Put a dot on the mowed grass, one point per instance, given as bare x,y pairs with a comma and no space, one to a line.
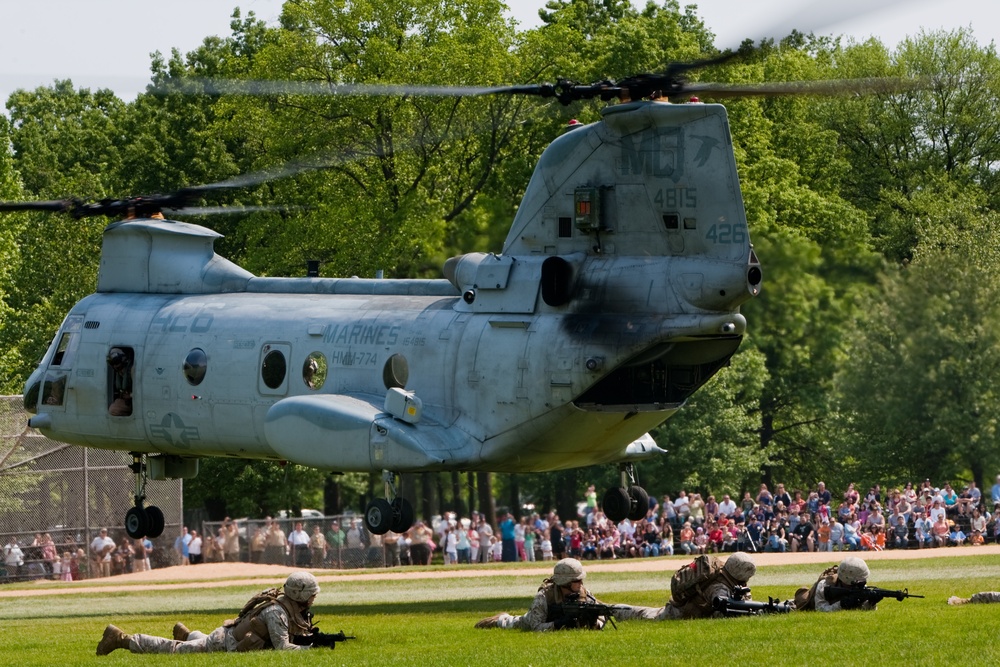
426,622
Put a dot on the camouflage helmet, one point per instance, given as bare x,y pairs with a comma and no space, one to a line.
852,570
567,571
740,567
300,586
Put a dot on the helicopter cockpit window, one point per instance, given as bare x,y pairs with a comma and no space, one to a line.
195,366
273,370
120,374
54,390
54,387
68,340
314,370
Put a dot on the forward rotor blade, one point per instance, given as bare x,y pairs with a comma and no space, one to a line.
58,206
315,88
830,87
232,210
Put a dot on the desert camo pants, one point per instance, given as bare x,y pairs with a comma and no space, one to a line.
629,613
197,642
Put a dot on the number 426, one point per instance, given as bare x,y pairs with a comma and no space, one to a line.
726,233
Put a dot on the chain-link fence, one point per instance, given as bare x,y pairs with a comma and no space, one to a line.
54,492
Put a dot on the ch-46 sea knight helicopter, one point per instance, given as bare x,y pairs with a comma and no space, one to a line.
615,297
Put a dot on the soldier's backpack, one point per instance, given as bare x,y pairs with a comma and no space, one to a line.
685,583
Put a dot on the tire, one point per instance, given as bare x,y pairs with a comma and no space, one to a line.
378,516
402,515
156,522
617,504
136,523
639,503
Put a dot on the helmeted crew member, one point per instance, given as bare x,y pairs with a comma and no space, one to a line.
695,587
271,619
566,583
831,591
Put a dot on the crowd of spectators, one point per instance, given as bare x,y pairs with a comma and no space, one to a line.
72,558
913,516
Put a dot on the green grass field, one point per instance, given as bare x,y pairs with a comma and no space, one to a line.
430,622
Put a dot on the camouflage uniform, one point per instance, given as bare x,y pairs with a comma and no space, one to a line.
721,580
851,571
543,614
540,616
271,624
269,620
979,598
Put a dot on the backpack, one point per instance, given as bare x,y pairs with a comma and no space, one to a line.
686,581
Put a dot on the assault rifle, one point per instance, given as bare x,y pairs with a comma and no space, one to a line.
318,638
576,613
851,598
734,607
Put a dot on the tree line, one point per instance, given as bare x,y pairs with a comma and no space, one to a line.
871,354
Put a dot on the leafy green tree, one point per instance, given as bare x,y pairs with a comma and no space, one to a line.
396,172
713,444
66,144
813,245
919,386
10,257
895,141
253,488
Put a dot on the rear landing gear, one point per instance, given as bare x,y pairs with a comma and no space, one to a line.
142,521
628,500
393,512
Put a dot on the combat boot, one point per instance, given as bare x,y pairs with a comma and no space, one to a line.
114,638
491,622
181,632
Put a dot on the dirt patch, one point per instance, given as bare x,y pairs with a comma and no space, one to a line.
218,575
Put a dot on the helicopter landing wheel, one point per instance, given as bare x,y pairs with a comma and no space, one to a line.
136,523
156,521
378,516
638,503
402,515
617,504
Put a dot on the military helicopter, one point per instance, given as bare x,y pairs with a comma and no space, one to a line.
616,295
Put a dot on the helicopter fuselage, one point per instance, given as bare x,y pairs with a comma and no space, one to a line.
616,297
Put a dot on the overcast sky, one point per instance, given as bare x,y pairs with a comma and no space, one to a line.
106,43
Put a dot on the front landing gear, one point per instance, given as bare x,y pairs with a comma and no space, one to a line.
393,512
628,500
142,521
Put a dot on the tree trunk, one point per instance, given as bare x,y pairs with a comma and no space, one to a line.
979,475
332,503
514,496
567,490
487,504
456,494
439,484
766,435
408,488
426,493
471,488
